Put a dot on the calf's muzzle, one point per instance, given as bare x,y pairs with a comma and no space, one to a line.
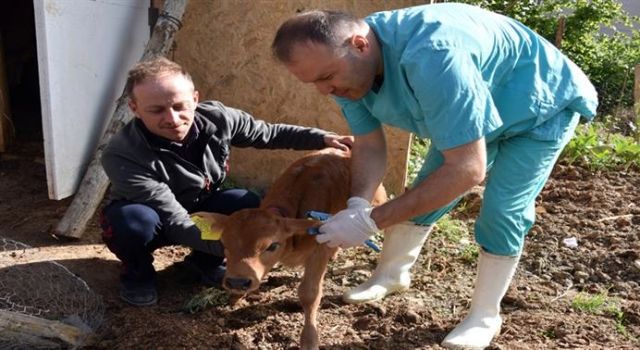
237,283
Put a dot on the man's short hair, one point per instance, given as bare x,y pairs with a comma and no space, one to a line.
318,26
152,68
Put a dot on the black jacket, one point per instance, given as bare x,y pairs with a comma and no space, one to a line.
142,172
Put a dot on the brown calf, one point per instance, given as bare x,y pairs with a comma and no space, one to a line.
256,239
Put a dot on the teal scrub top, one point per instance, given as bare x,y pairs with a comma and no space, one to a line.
454,73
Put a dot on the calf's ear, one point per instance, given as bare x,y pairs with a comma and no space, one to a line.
300,226
211,225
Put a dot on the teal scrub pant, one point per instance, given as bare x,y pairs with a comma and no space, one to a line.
518,166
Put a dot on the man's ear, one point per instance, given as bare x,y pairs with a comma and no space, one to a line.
196,96
133,107
359,42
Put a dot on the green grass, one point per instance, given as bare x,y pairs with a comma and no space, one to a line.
601,304
209,297
590,303
456,232
470,253
452,230
549,333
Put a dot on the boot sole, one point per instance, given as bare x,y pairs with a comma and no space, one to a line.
363,301
152,301
461,347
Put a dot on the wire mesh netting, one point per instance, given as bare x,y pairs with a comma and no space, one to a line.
46,290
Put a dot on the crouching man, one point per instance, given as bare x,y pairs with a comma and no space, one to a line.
170,161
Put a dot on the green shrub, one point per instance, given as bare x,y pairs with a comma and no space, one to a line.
595,148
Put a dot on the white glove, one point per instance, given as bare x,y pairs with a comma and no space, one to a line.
348,228
358,203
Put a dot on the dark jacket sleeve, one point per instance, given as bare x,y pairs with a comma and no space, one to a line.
247,131
134,181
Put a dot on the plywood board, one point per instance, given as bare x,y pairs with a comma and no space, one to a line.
85,48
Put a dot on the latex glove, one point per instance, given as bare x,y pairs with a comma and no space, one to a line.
348,228
358,203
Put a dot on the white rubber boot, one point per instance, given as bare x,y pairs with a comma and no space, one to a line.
402,245
483,321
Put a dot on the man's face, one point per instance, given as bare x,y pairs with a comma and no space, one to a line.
346,73
166,105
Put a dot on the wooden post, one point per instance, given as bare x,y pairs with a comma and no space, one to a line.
560,31
95,182
636,93
41,330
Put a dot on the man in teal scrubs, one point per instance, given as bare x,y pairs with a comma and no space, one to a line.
498,103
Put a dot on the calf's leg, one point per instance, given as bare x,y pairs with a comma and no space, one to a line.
310,294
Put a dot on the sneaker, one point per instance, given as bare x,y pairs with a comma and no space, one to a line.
139,295
210,268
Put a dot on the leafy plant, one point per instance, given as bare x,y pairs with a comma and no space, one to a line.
597,149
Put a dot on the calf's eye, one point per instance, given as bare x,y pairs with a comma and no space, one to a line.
273,246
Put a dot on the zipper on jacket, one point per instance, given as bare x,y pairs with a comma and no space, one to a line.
207,183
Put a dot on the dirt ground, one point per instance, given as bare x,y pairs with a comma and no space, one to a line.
600,210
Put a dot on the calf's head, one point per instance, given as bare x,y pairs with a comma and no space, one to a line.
254,241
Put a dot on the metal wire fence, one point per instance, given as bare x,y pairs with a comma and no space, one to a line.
46,290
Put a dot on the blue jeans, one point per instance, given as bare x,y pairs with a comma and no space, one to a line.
132,231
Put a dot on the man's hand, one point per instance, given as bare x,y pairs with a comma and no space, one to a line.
340,142
348,228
